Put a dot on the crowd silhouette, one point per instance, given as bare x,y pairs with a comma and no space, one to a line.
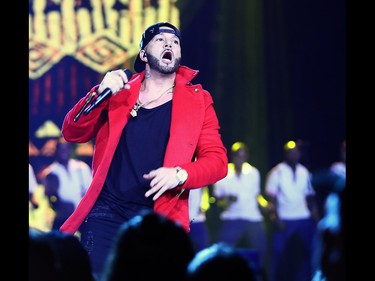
57,256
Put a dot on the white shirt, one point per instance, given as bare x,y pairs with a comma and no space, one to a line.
246,188
74,181
195,201
33,184
290,192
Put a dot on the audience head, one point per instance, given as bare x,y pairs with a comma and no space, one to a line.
63,151
51,185
57,256
292,153
239,153
220,262
148,247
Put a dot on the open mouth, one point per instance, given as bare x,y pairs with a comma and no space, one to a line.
167,56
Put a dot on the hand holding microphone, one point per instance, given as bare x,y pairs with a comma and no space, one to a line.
112,83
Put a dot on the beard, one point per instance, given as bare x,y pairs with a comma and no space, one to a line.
154,64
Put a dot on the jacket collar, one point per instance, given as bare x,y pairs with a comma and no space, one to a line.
184,75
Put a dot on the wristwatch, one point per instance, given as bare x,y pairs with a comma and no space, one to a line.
181,175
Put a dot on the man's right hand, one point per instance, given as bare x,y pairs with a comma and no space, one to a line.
115,81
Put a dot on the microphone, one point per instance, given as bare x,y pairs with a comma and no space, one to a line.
104,95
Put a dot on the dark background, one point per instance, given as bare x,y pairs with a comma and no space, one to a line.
277,72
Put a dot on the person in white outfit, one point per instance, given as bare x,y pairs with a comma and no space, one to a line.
329,252
242,219
74,175
289,189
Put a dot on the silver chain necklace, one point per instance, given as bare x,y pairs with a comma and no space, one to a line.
138,104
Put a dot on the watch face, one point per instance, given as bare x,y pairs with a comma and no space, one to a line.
182,175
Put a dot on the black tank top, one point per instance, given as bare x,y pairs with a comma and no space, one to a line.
141,149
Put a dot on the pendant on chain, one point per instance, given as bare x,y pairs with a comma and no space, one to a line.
138,105
134,111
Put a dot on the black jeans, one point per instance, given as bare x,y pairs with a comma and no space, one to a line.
98,233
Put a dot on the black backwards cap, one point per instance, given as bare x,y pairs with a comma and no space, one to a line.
147,36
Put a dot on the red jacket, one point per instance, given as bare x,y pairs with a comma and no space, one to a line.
195,143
